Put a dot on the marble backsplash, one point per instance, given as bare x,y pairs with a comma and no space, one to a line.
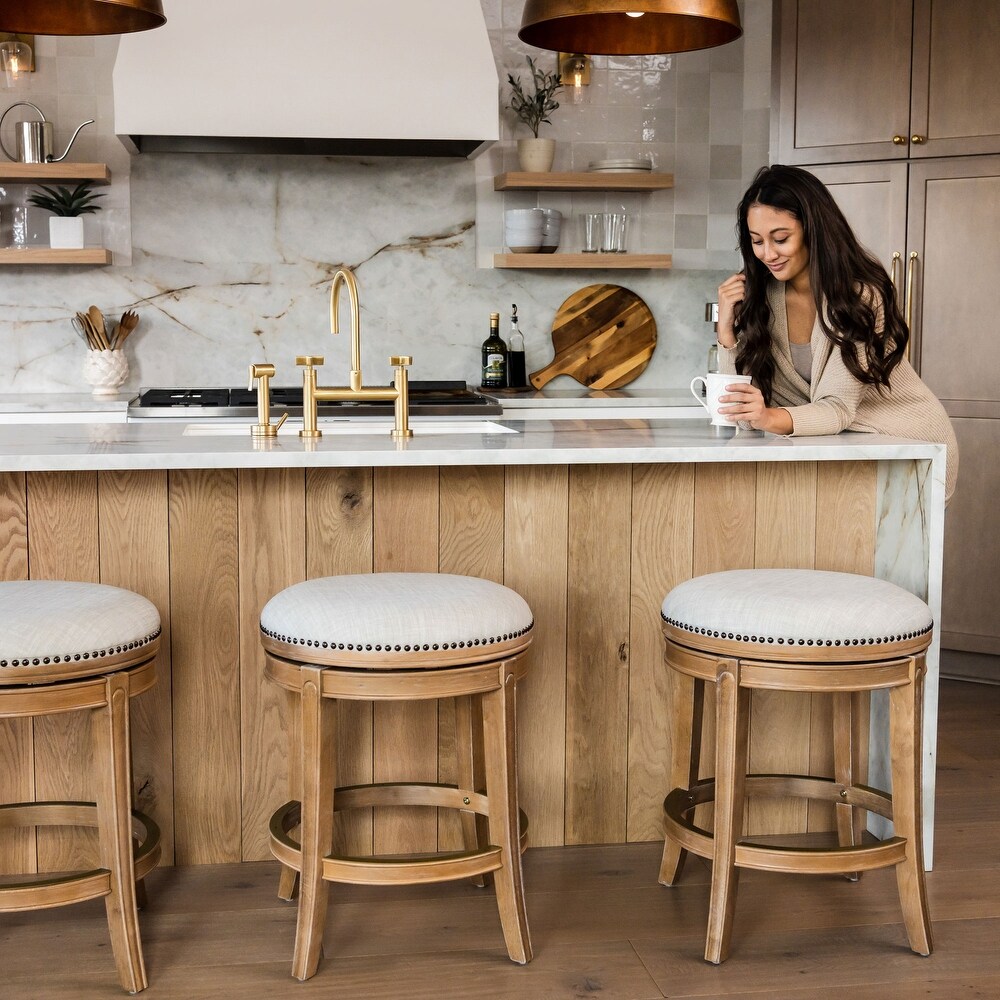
232,258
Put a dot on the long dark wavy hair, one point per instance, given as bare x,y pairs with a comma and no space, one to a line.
840,268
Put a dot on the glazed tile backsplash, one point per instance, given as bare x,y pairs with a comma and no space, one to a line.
231,255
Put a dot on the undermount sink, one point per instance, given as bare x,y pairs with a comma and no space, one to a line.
347,427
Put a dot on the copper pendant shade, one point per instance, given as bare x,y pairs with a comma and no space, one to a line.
613,27
80,17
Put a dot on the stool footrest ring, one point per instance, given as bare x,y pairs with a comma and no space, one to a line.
41,891
806,860
433,867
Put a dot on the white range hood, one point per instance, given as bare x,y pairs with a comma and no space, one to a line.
352,77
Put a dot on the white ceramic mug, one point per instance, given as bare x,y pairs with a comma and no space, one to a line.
715,386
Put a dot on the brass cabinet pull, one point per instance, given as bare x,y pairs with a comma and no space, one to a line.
918,139
911,268
892,271
899,140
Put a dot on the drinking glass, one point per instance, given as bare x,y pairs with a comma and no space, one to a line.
615,224
591,229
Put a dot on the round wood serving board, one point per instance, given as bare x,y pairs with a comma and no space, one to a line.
603,337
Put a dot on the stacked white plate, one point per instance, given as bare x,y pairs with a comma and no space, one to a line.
634,166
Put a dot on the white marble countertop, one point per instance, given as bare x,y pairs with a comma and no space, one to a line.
597,399
63,402
216,444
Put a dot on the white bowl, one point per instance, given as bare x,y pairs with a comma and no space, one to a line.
523,215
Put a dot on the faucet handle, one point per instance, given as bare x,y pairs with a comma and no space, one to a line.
400,360
308,360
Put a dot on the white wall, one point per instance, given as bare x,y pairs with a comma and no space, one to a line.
232,255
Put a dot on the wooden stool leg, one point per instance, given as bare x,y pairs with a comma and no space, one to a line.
500,736
850,756
288,880
318,779
732,712
906,736
687,700
110,729
471,773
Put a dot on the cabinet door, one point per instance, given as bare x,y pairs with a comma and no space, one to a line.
953,221
955,104
873,198
969,619
844,85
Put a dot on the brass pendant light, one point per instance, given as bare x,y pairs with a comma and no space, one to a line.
629,27
80,17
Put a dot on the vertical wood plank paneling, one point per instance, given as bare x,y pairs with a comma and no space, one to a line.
536,529
204,597
471,544
597,657
779,721
725,503
17,772
406,526
339,540
135,555
272,552
63,545
662,528
846,499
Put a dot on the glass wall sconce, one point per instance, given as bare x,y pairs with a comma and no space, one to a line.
574,71
17,61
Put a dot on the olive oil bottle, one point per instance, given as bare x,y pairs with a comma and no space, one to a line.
494,357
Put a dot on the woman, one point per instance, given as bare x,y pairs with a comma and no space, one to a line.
813,319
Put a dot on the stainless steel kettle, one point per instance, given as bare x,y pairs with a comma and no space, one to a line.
33,140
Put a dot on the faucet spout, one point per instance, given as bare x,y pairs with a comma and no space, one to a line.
345,276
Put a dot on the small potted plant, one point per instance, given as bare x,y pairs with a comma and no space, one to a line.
534,109
68,206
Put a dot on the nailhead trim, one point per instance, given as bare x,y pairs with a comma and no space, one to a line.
878,641
389,648
97,654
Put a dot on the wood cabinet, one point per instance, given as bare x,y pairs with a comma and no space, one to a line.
940,218
897,79
585,181
54,173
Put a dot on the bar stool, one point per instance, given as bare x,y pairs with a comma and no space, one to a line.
795,630
84,647
401,637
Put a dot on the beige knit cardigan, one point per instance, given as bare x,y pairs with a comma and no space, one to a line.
834,400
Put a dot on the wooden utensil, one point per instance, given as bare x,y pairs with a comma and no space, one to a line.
97,322
604,336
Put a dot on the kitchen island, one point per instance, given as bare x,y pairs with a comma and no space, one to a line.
591,520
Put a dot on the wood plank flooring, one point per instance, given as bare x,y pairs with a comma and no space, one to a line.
601,925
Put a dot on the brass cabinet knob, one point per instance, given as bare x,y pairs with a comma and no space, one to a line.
918,139
899,140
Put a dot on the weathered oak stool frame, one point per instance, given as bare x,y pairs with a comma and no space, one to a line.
849,669
99,677
482,677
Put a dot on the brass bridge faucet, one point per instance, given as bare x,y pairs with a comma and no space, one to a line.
311,393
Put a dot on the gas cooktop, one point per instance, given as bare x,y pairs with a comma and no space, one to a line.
432,399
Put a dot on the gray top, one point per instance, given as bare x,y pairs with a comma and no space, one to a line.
802,359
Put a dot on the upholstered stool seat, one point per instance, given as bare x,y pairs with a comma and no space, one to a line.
401,637
795,630
74,647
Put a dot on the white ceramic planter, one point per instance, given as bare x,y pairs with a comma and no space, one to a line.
536,155
66,232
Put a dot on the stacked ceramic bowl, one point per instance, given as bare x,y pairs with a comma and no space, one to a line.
522,229
551,230
639,165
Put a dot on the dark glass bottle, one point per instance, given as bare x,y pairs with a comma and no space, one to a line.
517,375
494,357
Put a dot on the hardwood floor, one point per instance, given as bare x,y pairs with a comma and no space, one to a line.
601,924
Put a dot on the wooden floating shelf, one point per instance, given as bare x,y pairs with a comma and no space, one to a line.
46,255
603,261
589,181
44,173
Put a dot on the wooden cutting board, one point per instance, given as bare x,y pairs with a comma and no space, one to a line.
603,337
